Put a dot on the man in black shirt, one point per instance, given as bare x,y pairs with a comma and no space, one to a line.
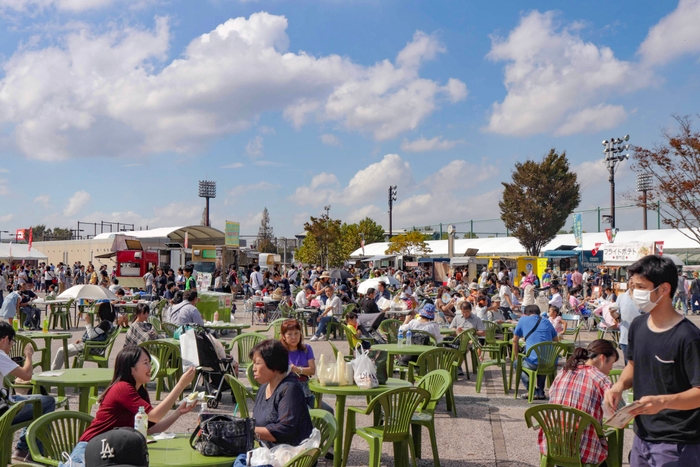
33,314
664,371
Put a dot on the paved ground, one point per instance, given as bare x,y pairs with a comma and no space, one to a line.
488,431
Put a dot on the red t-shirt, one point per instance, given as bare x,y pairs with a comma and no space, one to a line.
117,410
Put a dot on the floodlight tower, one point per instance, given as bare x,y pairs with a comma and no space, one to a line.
612,151
644,185
392,198
207,190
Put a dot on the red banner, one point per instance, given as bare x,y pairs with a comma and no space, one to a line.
659,247
594,251
608,233
30,239
19,234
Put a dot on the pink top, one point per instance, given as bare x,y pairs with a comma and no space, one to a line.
557,323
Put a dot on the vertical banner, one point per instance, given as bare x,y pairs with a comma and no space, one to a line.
578,232
232,234
659,247
30,239
19,235
187,239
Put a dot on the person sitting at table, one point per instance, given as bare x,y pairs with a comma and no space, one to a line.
141,330
281,413
99,333
24,372
446,309
120,311
32,313
302,362
554,314
186,312
581,385
123,397
332,311
304,296
467,320
424,322
10,306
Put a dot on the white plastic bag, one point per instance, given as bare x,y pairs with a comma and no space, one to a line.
188,350
279,455
365,370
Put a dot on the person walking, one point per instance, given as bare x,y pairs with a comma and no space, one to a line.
681,295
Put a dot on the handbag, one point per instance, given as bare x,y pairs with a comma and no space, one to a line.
222,435
5,401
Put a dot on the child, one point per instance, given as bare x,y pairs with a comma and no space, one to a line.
555,318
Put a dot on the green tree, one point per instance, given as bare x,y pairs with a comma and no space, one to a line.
541,196
373,232
59,233
326,232
352,235
308,252
410,243
470,235
265,241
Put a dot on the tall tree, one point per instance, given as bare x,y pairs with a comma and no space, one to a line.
673,167
265,241
539,199
373,232
308,252
353,234
326,233
410,243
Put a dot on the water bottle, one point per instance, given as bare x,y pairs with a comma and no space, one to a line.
203,412
409,337
45,325
400,340
141,421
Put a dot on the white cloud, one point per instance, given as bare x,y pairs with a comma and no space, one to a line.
113,94
433,144
7,217
330,140
4,189
676,34
44,200
371,211
4,171
235,165
556,81
257,189
254,149
76,203
266,130
323,179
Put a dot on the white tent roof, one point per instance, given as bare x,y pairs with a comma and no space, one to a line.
195,232
19,251
510,246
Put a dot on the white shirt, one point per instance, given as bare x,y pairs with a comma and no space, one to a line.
256,279
556,300
292,276
503,292
334,306
301,300
7,366
114,287
428,326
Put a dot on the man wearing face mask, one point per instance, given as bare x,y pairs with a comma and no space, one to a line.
663,350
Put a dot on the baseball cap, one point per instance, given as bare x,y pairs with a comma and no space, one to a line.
121,447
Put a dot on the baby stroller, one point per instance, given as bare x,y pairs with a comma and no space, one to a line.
213,365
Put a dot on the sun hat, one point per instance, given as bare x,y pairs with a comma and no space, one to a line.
121,447
428,311
473,286
325,274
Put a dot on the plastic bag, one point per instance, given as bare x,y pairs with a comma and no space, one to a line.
365,370
188,350
338,373
279,455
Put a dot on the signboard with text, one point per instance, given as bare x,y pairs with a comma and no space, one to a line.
232,234
627,252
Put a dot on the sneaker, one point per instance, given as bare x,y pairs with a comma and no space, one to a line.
22,456
314,338
326,337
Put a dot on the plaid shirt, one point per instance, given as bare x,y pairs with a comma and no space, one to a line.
140,331
582,389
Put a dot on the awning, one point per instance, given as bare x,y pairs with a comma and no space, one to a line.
20,251
561,254
433,260
462,260
377,258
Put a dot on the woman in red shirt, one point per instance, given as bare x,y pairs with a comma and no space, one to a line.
127,392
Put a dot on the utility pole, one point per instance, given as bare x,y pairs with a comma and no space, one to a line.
644,185
392,198
612,151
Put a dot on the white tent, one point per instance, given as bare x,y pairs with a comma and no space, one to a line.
20,251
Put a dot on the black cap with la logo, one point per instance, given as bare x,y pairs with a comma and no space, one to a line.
121,447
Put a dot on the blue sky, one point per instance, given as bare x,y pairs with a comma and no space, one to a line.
113,109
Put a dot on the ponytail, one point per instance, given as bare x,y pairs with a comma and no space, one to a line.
595,348
579,357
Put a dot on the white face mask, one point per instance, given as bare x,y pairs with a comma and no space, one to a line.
642,298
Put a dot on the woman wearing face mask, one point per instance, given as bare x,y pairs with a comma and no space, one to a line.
582,385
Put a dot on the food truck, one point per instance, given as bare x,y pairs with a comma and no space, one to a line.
133,263
518,264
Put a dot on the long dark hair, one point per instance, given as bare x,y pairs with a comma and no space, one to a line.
595,348
127,359
141,308
292,325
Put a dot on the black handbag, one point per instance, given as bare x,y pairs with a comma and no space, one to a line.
379,358
222,435
5,402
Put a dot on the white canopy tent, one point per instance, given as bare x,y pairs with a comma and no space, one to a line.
20,251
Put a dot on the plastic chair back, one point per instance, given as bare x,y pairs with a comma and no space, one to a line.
614,375
155,367
253,384
243,344
304,459
436,383
440,358
327,425
563,428
547,355
169,329
418,332
240,394
398,406
5,432
276,325
390,329
491,330
57,432
167,355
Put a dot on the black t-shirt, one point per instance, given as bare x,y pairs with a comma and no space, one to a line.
665,363
27,296
368,305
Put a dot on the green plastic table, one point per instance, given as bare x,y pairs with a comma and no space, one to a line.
83,379
46,351
341,393
177,452
394,349
448,332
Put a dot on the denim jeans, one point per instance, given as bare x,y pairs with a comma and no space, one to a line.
694,298
683,298
77,457
649,454
323,325
48,404
33,316
525,378
623,347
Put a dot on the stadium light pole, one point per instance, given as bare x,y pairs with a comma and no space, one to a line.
644,185
207,190
327,208
392,198
613,148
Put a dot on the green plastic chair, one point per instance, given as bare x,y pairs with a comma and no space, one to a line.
418,332
547,355
240,394
615,375
436,383
398,406
60,312
17,350
464,349
574,323
304,459
158,309
389,328
492,329
326,423
563,427
169,329
241,346
6,432
440,358
352,339
96,351
157,324
58,432
254,385
277,325
483,362
335,350
170,365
